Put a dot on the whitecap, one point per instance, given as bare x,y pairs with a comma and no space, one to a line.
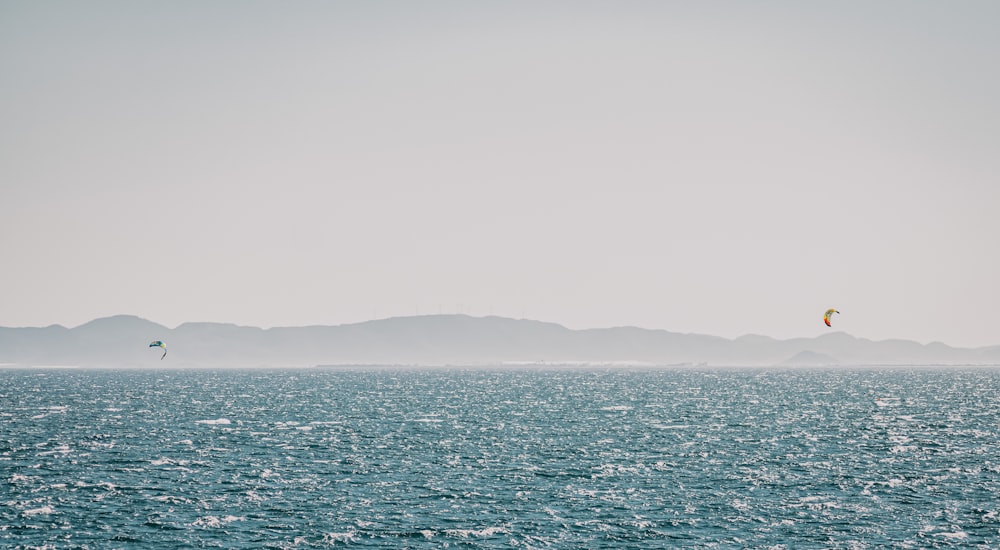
330,538
171,499
617,408
62,449
215,422
816,503
44,510
214,522
467,533
640,523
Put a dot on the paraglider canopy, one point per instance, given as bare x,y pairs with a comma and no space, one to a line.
826,316
159,344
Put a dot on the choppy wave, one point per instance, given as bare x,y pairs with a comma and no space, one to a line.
215,422
487,458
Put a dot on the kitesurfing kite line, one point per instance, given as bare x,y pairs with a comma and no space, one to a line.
826,316
159,344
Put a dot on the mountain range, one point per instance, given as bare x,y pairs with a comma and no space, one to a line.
122,341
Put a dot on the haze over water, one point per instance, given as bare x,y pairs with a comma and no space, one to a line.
500,457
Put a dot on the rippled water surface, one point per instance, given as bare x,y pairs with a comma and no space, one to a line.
503,457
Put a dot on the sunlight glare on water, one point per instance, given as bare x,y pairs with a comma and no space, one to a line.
500,457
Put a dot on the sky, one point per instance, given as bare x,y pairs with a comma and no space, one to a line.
715,167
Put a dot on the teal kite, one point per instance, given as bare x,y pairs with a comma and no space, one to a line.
159,344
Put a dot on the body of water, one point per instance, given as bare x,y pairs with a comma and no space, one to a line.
500,457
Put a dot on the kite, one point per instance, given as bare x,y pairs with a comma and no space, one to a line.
159,344
826,316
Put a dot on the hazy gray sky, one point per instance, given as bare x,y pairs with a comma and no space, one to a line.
713,167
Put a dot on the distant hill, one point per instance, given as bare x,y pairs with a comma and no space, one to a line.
445,339
810,358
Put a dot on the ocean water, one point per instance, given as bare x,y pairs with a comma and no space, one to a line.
500,458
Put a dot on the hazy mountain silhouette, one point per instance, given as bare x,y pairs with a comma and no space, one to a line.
445,339
810,358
